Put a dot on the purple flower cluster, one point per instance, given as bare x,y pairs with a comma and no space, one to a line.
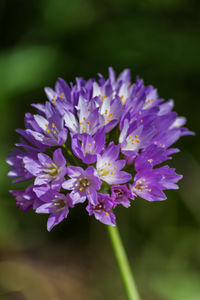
96,141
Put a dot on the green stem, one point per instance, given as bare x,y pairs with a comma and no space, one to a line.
70,155
123,263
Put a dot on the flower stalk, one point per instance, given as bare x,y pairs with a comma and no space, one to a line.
122,260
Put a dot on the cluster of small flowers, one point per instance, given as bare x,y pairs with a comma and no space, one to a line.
77,144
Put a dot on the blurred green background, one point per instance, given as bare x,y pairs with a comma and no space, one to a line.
160,42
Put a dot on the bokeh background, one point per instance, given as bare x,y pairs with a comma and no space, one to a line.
157,40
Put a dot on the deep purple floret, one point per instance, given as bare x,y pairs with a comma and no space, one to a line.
15,160
121,195
86,147
26,199
102,209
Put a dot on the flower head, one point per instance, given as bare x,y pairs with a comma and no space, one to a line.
99,141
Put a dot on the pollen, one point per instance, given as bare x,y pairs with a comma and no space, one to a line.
121,97
53,125
81,123
88,122
111,173
46,125
130,137
81,189
107,213
137,140
89,144
115,167
47,130
84,118
109,120
94,142
110,114
109,164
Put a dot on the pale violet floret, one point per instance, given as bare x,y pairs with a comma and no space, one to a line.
83,184
109,167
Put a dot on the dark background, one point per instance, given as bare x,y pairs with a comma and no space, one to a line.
157,40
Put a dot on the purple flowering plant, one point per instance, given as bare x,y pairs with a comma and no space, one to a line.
99,142
104,143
